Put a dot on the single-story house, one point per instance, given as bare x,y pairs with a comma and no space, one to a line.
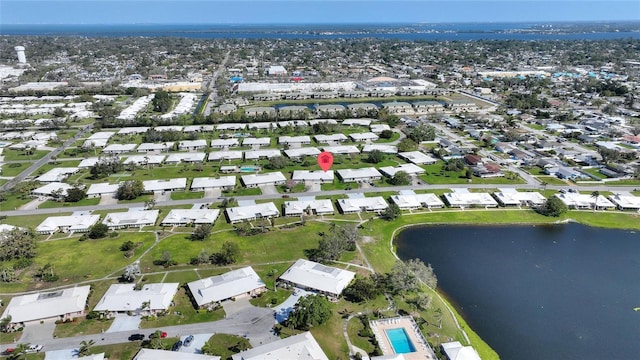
317,207
235,283
149,300
359,175
585,201
411,169
225,155
294,140
309,275
513,197
131,218
261,154
357,122
59,305
133,130
57,174
182,217
362,137
162,128
72,223
300,346
192,145
356,204
409,200
165,185
333,138
379,128
203,183
119,148
192,157
88,162
316,176
417,157
224,143
255,180
342,149
100,189
251,212
387,149
54,190
462,198
456,351
153,354
155,147
263,141
299,152
231,126
144,159
625,200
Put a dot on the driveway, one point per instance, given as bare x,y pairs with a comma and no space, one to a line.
283,310
162,196
212,193
124,322
268,189
313,187
36,332
196,345
108,200
233,307
33,204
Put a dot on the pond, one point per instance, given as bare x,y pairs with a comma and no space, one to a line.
539,292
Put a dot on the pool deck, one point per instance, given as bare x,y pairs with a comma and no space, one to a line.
423,351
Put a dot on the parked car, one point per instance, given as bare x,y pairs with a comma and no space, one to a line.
34,349
8,351
163,335
188,340
135,337
177,345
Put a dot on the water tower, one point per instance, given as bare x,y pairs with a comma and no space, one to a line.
22,59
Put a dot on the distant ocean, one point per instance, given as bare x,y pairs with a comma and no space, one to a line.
426,32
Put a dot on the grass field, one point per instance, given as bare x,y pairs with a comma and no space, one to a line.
14,169
56,204
182,312
225,345
12,155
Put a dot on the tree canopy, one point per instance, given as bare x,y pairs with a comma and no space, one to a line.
421,132
310,311
161,101
553,207
16,244
129,190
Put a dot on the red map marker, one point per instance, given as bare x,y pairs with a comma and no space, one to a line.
325,160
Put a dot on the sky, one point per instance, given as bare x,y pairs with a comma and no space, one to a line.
310,11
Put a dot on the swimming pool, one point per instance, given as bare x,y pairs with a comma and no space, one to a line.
400,341
249,169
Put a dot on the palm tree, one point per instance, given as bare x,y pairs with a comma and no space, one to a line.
596,196
85,347
19,351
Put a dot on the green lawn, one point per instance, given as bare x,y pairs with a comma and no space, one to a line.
271,298
118,351
14,169
81,326
183,312
14,200
182,195
225,345
12,155
55,204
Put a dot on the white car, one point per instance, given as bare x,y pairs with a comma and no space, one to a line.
34,349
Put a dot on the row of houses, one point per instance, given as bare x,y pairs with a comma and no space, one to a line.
154,298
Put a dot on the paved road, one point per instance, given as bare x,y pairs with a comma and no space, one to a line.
318,193
213,95
256,323
47,158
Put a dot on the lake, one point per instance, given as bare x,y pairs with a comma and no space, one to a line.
539,292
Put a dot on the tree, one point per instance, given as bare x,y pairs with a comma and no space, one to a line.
310,311
4,323
407,144
161,101
375,157
166,259
202,258
98,231
596,196
85,347
553,207
228,254
19,352
105,167
17,243
401,278
391,213
75,194
127,246
423,272
386,134
129,190
335,241
201,232
400,178
362,289
421,132
278,162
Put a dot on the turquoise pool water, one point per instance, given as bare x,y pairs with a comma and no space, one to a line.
249,169
400,341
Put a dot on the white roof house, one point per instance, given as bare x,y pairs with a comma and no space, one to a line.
52,189
145,159
342,149
168,128
228,285
153,354
305,151
417,157
326,139
57,174
292,140
387,149
407,200
165,185
185,157
511,196
192,145
411,169
60,304
73,223
358,204
101,135
225,155
462,198
231,126
455,351
263,153
378,128
584,201
363,174
255,180
300,347
625,201
312,176
148,147
88,162
311,275
133,130
252,212
131,218
97,190
263,141
358,122
95,143
124,297
119,148
224,143
367,136
318,207
198,128
202,183
191,216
